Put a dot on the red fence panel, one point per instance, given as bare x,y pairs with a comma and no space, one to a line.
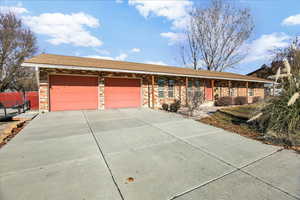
33,97
9,99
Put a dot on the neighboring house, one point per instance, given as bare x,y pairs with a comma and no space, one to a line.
74,83
266,72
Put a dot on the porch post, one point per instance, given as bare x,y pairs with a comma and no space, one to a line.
229,86
179,89
213,88
247,89
152,91
186,90
238,88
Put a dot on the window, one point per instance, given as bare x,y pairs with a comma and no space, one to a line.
190,88
232,91
171,84
161,85
198,88
250,92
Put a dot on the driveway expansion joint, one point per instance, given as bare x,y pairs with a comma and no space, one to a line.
227,163
271,185
45,166
102,155
203,184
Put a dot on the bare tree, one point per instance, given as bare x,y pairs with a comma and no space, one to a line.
194,100
216,34
16,44
189,48
24,80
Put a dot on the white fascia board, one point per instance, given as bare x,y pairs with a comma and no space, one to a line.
133,71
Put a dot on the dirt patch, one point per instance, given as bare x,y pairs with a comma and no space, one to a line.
11,129
225,122
239,126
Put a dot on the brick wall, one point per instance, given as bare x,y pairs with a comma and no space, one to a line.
220,89
241,89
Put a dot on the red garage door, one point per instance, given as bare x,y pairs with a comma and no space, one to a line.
122,93
73,92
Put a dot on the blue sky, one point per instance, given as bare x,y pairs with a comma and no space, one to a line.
144,30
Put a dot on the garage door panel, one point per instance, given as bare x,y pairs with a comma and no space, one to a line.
122,93
73,92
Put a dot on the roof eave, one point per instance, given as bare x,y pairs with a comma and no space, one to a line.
39,65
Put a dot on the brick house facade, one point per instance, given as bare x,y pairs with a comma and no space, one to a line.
155,89
221,88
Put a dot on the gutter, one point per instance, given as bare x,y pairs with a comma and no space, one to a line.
133,71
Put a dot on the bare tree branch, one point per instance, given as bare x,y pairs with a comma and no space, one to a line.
216,34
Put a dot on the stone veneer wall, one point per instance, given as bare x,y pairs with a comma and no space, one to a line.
221,87
43,91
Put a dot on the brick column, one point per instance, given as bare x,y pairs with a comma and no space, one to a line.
101,105
43,91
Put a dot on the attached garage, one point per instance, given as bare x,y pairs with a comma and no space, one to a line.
122,93
69,92
75,83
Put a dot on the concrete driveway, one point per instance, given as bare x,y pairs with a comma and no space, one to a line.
137,154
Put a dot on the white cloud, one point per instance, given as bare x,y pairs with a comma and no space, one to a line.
135,50
156,62
173,37
65,29
174,10
260,49
121,57
100,57
15,9
291,20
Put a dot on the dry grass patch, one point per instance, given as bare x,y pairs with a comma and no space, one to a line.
9,130
234,119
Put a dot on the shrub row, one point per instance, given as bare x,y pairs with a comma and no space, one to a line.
240,100
173,107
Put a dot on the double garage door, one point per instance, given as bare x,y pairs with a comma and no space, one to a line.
82,93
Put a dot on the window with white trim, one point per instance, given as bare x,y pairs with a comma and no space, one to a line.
232,90
198,92
161,87
250,92
171,84
190,88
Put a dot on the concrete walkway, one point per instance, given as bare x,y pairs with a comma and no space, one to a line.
137,154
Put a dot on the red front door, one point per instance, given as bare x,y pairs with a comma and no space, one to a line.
73,92
122,93
208,90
